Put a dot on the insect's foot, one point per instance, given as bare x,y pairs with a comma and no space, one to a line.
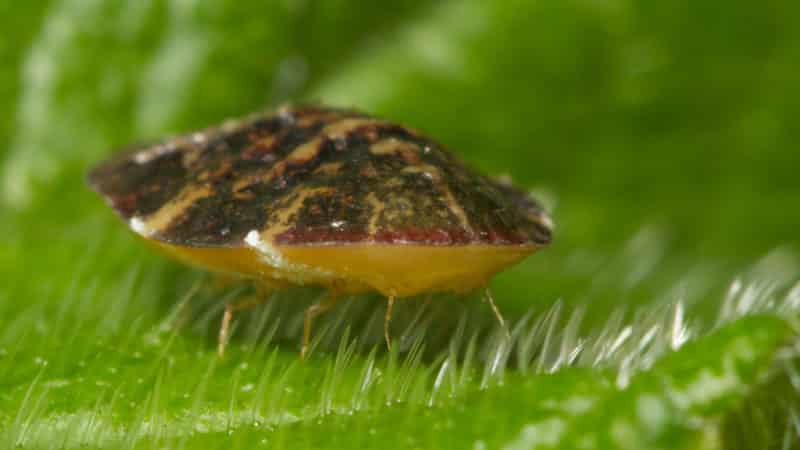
233,307
387,339
224,330
303,351
488,298
387,319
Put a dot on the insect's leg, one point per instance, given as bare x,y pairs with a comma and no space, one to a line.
487,296
261,296
313,311
387,318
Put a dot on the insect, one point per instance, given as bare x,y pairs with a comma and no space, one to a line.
312,195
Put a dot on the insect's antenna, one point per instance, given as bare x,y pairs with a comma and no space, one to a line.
487,296
387,320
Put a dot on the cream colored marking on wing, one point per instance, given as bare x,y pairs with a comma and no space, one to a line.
331,168
306,151
190,156
262,143
145,156
377,208
336,130
340,128
245,182
303,153
454,206
223,168
394,182
267,141
263,242
284,216
544,220
391,146
399,208
409,151
161,219
434,175
427,171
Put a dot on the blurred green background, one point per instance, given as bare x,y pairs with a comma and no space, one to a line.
661,135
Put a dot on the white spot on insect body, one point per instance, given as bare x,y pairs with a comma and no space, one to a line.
546,221
268,253
296,273
198,138
140,227
145,157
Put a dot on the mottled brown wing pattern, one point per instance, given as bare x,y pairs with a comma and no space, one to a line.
313,175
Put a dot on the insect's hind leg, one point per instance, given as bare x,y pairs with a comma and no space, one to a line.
487,297
387,318
327,302
261,296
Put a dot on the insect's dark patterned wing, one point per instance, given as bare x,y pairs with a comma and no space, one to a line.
195,189
540,227
141,178
313,175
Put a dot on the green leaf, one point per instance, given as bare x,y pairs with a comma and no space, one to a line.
662,136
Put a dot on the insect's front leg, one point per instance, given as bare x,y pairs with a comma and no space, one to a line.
261,296
387,319
328,302
487,297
